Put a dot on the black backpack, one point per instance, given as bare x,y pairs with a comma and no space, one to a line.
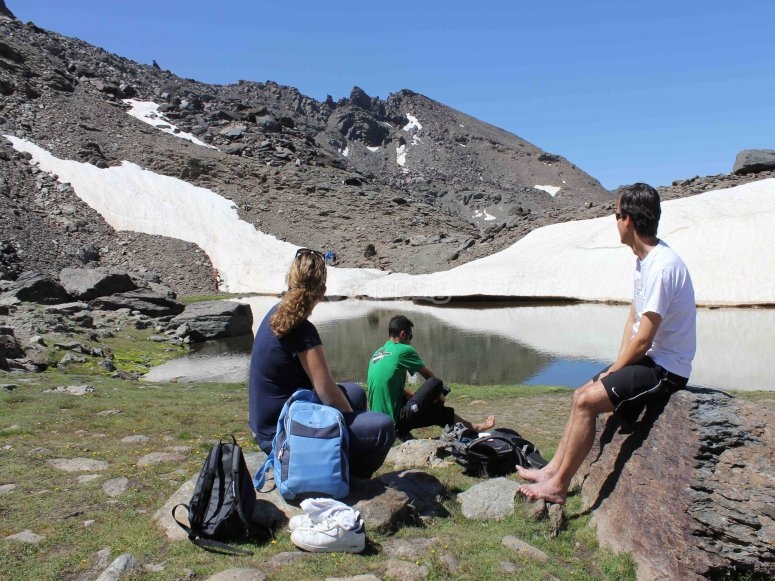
496,454
224,499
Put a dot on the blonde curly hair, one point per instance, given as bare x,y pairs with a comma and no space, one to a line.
306,286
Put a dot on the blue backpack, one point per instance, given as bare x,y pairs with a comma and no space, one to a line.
310,450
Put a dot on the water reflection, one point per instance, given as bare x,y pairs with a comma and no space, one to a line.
502,344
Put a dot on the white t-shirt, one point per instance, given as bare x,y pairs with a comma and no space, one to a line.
662,285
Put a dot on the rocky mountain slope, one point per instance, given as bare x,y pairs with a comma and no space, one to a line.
404,184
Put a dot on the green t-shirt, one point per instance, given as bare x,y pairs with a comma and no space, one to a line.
387,376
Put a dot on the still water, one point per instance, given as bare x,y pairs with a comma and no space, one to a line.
501,343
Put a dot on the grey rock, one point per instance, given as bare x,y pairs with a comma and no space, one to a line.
754,161
384,509
354,578
7,489
524,549
145,301
215,319
123,564
697,471
26,536
450,563
419,453
408,549
281,559
78,464
86,478
397,569
35,287
424,490
89,283
238,575
155,458
115,487
71,389
491,499
136,439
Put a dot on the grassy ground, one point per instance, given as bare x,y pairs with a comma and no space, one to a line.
36,426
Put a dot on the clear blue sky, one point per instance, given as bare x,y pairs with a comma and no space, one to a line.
628,91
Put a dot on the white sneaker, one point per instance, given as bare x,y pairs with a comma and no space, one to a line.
298,521
329,537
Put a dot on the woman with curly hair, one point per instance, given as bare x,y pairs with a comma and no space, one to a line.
288,355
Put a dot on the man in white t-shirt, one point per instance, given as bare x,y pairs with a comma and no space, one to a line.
655,358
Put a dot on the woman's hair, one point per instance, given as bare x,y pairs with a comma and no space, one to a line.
306,286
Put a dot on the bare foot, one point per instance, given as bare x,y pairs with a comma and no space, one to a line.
532,474
544,491
487,424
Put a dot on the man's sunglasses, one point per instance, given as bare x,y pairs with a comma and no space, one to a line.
302,251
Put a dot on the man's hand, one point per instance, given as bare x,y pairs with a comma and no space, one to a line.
410,408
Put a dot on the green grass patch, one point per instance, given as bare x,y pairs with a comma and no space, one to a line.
78,518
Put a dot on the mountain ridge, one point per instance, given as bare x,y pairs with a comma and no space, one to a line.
403,184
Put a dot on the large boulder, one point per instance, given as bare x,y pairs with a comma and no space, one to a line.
35,287
689,490
754,161
215,319
143,300
89,283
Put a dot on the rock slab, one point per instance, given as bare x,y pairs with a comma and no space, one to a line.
689,489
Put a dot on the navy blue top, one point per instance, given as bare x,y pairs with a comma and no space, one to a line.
275,373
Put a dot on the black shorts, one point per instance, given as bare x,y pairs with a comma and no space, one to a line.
634,386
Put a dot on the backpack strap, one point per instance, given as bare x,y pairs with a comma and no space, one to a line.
208,544
300,394
260,476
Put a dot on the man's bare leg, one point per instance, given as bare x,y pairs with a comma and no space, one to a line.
487,424
541,474
588,403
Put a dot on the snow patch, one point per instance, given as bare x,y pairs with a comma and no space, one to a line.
484,214
148,112
551,190
346,151
375,148
413,123
401,155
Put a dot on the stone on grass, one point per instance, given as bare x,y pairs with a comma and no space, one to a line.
397,569
286,557
424,490
6,489
384,509
354,578
71,389
238,575
491,499
525,549
122,564
115,487
78,464
155,458
163,516
408,549
26,536
109,413
84,478
416,454
137,439
450,564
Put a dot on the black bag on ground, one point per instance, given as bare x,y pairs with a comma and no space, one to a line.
223,502
496,454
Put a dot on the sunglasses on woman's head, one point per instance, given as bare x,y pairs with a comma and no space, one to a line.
302,251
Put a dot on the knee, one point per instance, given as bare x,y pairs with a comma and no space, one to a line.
582,400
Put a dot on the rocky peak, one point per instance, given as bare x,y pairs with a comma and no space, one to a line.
5,12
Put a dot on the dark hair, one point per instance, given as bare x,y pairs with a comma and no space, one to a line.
641,203
399,323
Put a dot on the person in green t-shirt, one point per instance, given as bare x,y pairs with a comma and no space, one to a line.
387,392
